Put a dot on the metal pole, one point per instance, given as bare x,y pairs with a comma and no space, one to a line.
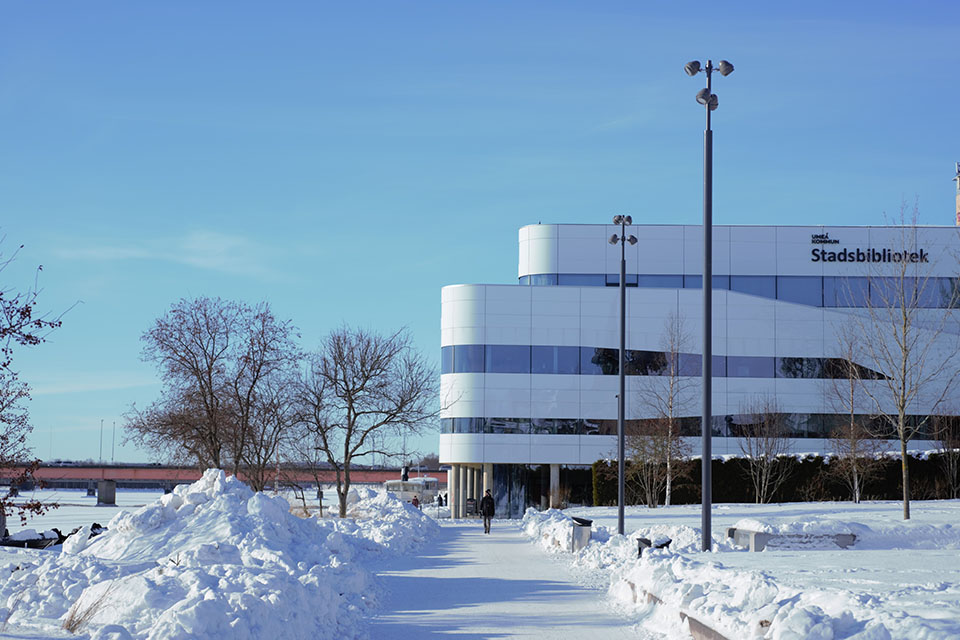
706,457
101,440
622,394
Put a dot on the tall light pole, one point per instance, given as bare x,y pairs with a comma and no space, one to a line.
622,240
709,100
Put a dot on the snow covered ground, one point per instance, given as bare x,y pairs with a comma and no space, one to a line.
899,580
215,560
211,560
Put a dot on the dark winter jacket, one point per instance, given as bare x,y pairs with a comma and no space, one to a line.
486,506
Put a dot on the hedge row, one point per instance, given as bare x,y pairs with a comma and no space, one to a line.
810,479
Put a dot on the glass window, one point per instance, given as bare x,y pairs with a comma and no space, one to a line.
446,425
582,279
446,359
929,294
599,361
763,286
555,360
845,292
645,363
691,364
749,367
543,279
468,358
801,290
660,281
613,279
948,290
507,358
800,367
891,292
507,425
524,280
695,282
468,425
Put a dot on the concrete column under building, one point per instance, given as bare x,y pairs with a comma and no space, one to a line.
488,477
452,500
555,486
477,486
471,485
462,491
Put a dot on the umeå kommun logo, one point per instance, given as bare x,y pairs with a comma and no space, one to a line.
861,255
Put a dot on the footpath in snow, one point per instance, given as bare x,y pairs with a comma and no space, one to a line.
472,585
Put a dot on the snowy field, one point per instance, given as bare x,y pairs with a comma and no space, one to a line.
899,580
215,560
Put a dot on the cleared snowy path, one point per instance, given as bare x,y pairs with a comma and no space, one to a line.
471,585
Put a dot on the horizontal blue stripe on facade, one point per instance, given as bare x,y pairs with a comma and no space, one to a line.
546,359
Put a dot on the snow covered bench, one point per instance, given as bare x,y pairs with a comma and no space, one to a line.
759,540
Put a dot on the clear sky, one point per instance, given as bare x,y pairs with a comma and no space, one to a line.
344,161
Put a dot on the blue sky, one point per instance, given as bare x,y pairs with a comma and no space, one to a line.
344,161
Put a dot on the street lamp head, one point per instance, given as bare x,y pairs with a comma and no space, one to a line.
632,240
693,67
725,68
617,219
627,220
614,239
713,102
703,96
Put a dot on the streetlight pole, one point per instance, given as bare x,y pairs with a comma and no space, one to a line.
622,240
709,100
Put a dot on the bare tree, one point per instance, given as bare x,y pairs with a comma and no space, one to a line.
906,344
764,442
945,430
19,326
220,362
647,446
361,384
272,420
666,392
855,449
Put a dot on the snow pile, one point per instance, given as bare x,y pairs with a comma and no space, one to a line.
742,603
213,560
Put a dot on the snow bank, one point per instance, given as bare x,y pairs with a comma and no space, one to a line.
742,603
213,560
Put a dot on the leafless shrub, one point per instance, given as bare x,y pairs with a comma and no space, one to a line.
81,613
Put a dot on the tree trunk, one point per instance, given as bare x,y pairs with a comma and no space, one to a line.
906,476
666,498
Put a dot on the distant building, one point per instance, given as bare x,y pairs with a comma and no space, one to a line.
529,370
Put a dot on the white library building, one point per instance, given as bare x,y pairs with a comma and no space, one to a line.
530,371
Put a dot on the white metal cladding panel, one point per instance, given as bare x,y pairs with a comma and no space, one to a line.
508,402
461,395
506,448
563,302
793,251
753,250
659,249
581,248
464,447
851,238
523,264
799,331
555,396
693,250
554,449
542,249
943,248
593,448
446,447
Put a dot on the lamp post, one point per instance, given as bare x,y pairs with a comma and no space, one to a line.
622,240
709,100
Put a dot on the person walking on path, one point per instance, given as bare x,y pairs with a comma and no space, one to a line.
486,510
